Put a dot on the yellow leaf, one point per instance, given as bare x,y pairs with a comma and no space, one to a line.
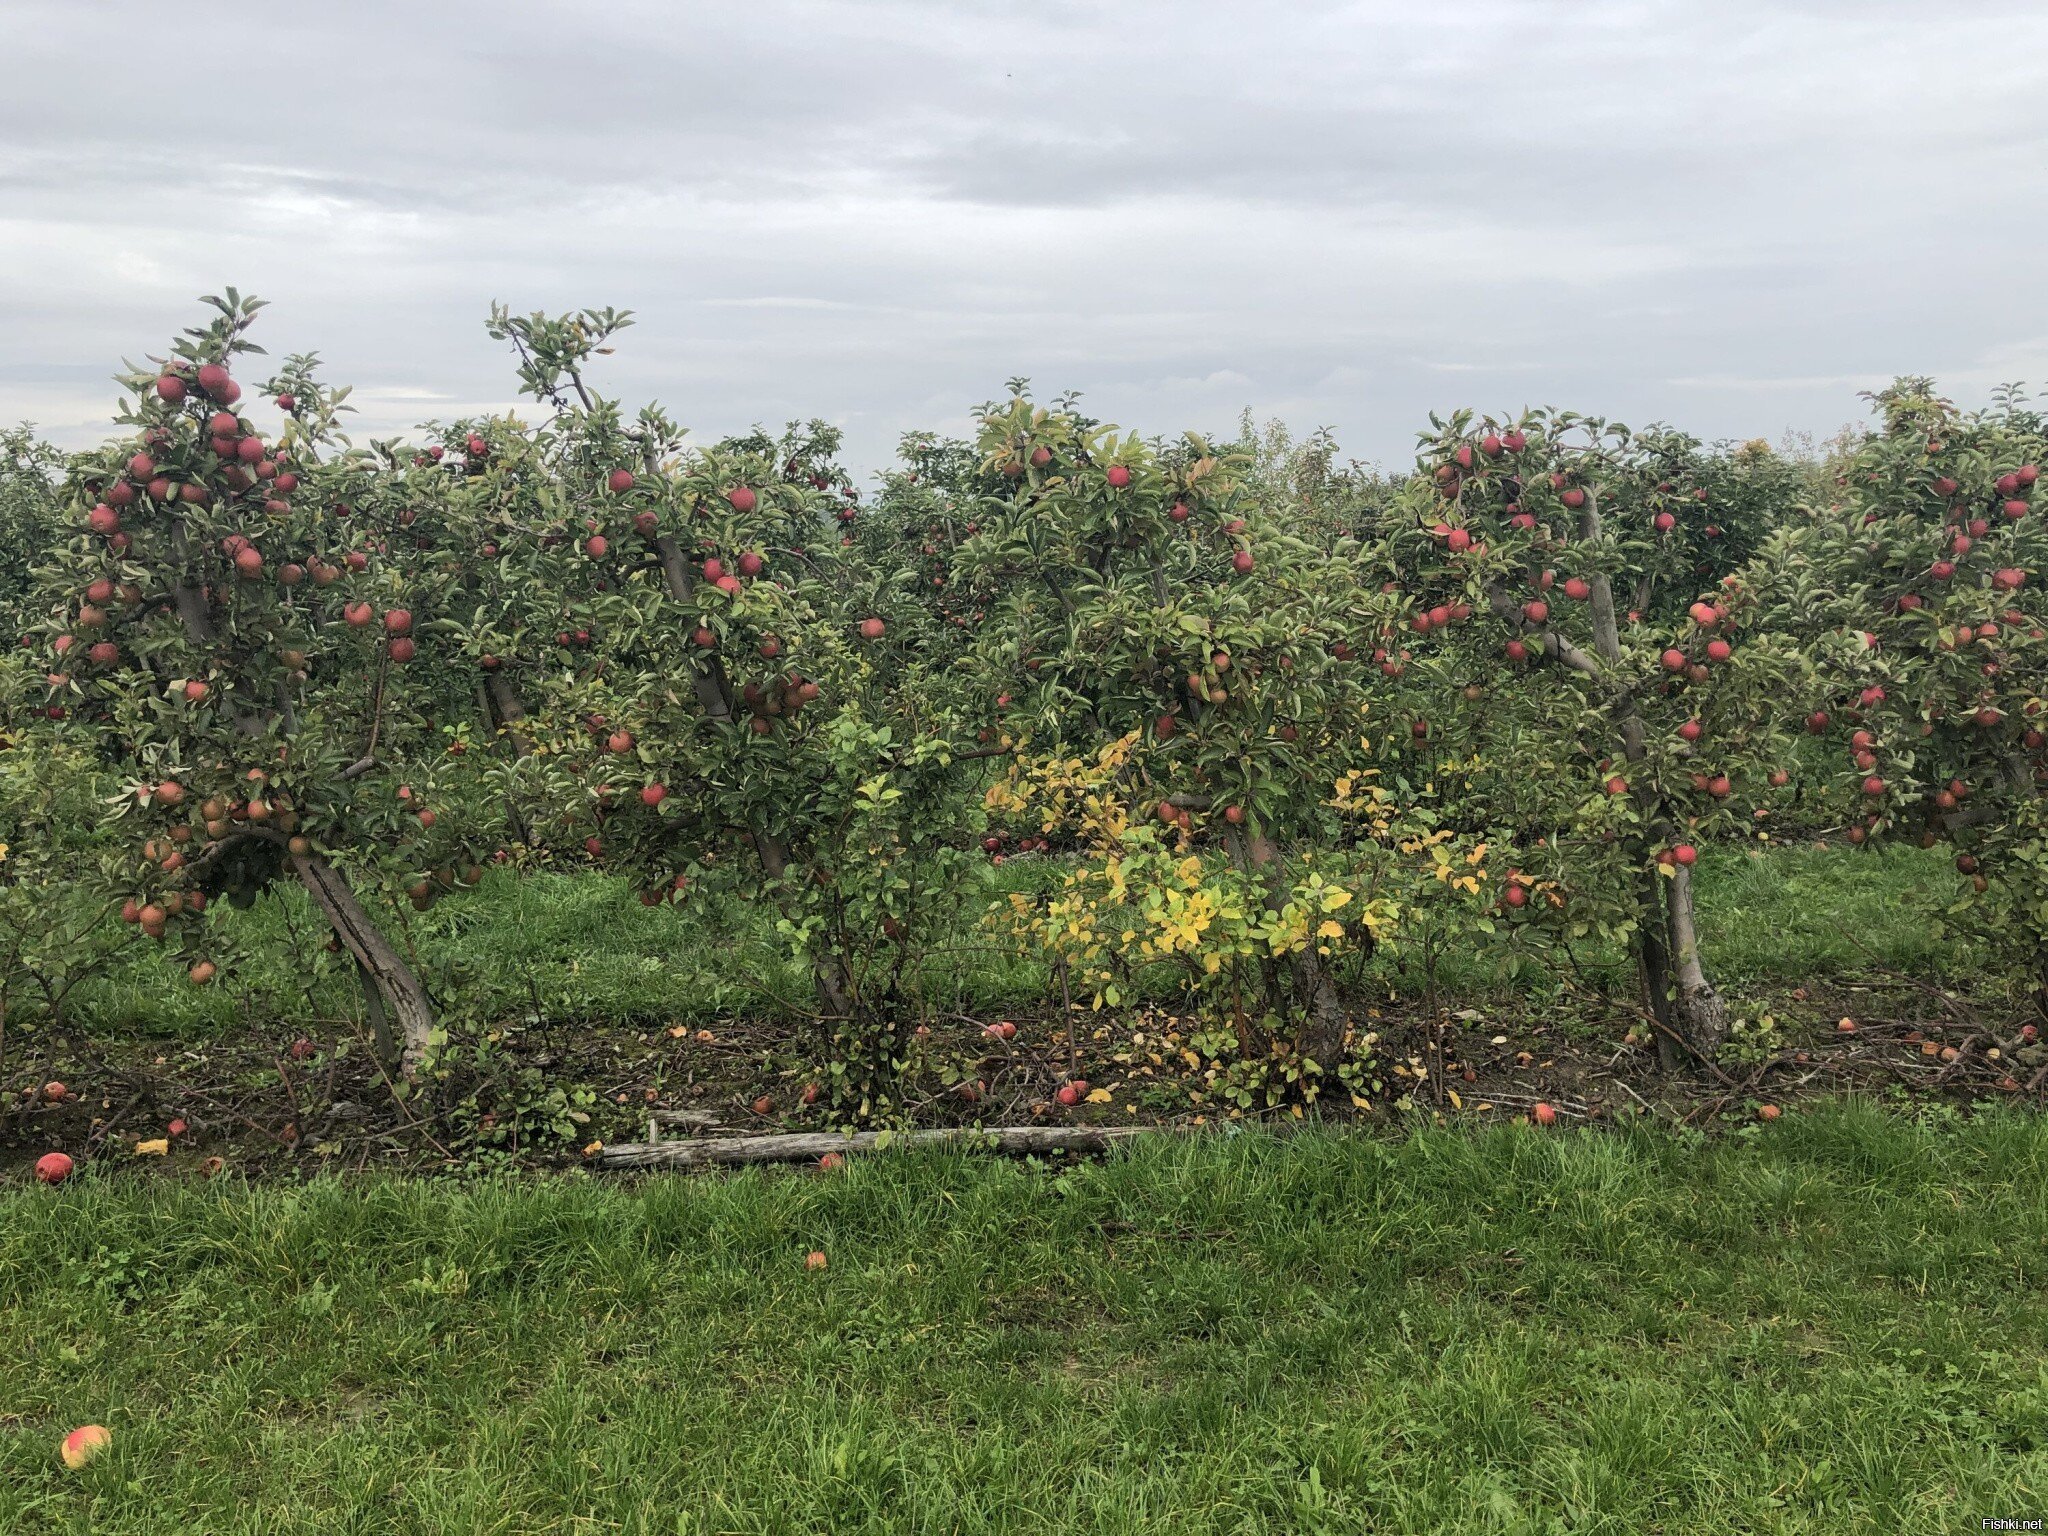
158,1148
1098,1096
1456,1102
1335,898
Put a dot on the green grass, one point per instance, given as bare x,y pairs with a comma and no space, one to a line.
1798,913
561,948
1832,1325
580,949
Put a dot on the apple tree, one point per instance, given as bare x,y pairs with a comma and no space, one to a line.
242,644
745,716
1927,578
1184,680
1614,695
30,518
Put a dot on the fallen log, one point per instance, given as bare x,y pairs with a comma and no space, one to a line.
808,1146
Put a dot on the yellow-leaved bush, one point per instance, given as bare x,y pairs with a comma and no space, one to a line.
1148,906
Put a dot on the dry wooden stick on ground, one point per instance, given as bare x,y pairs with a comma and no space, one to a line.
1015,1140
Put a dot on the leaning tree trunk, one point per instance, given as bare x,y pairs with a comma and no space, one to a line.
505,710
401,1014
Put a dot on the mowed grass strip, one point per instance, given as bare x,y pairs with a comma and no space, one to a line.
581,949
1831,1325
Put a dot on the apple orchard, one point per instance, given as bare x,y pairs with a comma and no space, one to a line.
1259,725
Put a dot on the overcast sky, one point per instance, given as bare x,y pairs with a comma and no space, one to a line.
1727,215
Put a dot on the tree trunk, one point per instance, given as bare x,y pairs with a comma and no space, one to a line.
832,984
1320,1036
1685,1003
1653,959
506,711
400,1011
1697,1012
374,1011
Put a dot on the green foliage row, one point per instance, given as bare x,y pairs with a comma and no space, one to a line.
1277,716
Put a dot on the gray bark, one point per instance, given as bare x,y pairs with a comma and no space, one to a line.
398,1005
803,1147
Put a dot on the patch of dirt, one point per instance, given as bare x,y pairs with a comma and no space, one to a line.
270,1105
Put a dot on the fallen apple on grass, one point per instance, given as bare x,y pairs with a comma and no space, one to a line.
83,1444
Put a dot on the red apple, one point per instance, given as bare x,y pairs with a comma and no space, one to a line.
88,1440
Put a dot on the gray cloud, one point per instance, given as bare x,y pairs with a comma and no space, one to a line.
1729,216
